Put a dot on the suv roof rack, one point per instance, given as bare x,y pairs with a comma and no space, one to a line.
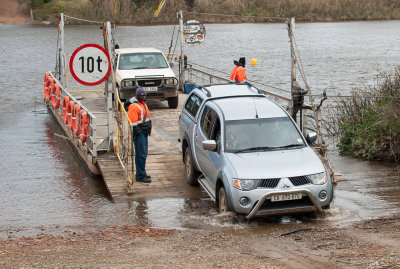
208,93
249,85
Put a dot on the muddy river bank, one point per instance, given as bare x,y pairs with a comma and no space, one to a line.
365,244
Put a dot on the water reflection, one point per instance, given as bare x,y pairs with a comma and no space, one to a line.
179,213
370,189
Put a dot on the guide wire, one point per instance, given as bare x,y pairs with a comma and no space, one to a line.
230,15
98,22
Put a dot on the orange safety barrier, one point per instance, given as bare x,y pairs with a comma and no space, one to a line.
69,113
65,107
48,87
75,119
46,78
56,96
83,125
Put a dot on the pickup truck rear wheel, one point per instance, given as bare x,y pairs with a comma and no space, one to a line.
191,175
222,200
173,102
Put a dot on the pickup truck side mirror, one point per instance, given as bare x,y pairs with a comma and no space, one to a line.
210,145
311,137
171,64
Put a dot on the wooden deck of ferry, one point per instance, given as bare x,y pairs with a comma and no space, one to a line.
164,161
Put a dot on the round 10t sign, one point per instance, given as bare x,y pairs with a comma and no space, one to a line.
90,64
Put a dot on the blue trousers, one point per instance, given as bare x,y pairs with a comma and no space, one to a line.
141,150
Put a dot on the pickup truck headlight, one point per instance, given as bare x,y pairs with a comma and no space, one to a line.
318,179
245,184
170,81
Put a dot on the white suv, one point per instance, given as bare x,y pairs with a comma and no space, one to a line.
148,68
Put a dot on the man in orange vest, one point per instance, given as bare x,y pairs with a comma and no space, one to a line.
139,114
238,72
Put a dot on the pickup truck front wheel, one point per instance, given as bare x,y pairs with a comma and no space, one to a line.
191,175
173,102
222,200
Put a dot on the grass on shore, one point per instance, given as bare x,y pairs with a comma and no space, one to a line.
141,11
369,121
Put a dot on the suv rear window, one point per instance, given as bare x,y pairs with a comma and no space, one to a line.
193,103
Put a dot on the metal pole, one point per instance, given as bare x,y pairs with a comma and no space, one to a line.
181,74
62,75
108,89
291,27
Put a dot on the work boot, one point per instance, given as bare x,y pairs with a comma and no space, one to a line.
148,176
144,180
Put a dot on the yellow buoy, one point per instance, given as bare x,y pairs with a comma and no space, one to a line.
253,61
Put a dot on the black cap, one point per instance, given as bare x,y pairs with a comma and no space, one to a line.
242,60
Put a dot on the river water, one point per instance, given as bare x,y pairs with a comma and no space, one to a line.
43,184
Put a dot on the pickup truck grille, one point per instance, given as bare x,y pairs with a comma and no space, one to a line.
273,182
298,181
268,183
150,83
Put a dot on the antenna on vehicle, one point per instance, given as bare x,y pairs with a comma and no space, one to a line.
255,107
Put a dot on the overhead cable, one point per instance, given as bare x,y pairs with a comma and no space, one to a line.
66,16
230,15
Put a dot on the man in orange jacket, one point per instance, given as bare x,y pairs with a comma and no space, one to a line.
238,72
139,114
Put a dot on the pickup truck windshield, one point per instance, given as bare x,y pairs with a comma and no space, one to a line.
261,135
151,60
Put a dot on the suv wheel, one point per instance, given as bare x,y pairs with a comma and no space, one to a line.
191,174
222,200
173,102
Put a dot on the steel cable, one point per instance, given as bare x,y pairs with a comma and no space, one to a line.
66,16
230,15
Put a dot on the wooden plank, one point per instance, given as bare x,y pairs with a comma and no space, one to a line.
164,164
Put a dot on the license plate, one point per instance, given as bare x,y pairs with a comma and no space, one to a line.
151,89
286,197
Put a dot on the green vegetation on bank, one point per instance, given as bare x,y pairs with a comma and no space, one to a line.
141,11
370,120
37,3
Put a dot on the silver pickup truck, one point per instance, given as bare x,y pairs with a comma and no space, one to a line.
148,68
248,154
